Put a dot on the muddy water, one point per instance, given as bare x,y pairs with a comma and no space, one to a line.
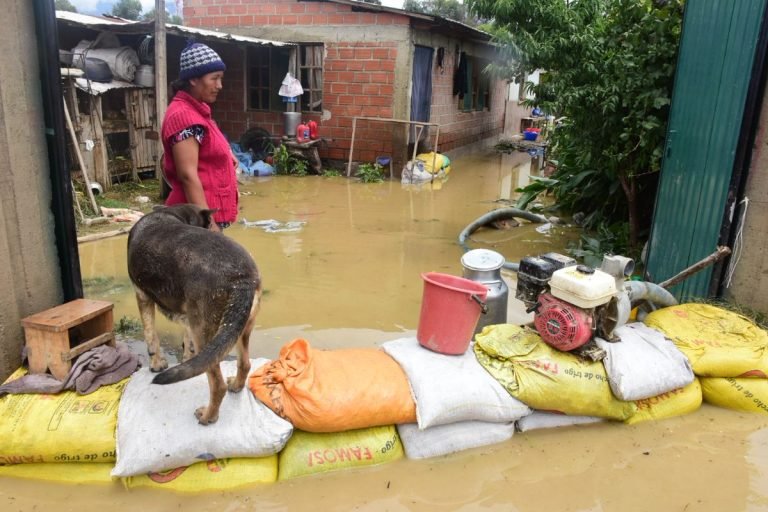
350,277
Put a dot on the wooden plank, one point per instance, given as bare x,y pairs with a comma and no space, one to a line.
61,318
101,339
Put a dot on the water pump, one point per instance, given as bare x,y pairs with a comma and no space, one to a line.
574,303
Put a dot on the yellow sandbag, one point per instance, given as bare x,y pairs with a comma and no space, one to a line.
66,427
212,475
750,395
69,473
667,405
312,453
441,162
334,390
544,378
717,342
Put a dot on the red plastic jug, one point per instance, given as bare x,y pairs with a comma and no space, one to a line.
312,130
302,133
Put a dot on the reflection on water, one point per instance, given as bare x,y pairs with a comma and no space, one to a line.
351,277
341,260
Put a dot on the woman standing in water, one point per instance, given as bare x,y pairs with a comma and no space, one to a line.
198,162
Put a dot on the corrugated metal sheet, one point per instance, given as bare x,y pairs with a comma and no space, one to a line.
119,25
713,74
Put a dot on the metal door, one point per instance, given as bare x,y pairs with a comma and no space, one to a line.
713,75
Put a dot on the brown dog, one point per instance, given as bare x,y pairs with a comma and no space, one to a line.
203,280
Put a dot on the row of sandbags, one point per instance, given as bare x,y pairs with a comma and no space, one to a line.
320,411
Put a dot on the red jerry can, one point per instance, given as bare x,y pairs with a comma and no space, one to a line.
312,125
302,133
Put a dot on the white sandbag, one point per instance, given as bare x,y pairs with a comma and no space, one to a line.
157,429
542,419
644,363
445,439
452,388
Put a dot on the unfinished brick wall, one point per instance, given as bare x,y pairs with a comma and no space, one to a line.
358,79
458,128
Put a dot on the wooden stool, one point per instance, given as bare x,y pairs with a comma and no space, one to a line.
58,335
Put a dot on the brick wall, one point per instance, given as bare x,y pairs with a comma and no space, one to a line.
358,79
458,128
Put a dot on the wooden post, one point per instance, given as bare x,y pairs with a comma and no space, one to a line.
161,78
76,147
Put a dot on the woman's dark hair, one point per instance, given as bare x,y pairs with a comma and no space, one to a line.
180,85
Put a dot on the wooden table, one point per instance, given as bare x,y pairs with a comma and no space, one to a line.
306,150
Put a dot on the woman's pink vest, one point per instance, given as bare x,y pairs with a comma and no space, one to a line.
214,163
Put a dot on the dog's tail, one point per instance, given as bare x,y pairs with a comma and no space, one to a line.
230,327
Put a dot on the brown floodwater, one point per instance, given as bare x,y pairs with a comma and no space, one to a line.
350,276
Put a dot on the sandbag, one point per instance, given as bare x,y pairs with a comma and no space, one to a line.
667,405
334,390
62,472
540,419
545,378
212,475
157,429
310,453
435,162
51,428
717,342
749,395
450,389
644,363
452,438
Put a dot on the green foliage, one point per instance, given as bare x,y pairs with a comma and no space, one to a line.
370,173
609,69
65,5
128,325
127,9
452,9
169,18
288,163
332,173
606,239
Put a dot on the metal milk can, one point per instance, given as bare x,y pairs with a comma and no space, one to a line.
484,266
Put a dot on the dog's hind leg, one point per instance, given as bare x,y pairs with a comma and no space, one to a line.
236,384
210,413
187,345
147,312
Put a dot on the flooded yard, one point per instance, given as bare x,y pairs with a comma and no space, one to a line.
349,276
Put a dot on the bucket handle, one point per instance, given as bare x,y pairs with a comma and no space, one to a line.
483,305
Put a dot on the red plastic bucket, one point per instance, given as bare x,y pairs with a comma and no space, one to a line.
450,309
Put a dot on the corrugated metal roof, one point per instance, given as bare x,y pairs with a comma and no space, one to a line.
119,25
97,88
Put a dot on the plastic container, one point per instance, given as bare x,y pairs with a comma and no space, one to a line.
291,121
450,309
145,76
582,286
530,135
302,133
484,266
313,131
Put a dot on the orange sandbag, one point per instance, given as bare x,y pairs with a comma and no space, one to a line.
334,390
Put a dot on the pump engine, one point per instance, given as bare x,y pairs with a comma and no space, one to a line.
574,303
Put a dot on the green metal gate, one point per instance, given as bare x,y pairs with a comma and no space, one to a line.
713,74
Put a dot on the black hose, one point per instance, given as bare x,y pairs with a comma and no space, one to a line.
492,216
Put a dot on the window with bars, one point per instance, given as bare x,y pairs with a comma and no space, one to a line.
311,77
265,68
478,97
